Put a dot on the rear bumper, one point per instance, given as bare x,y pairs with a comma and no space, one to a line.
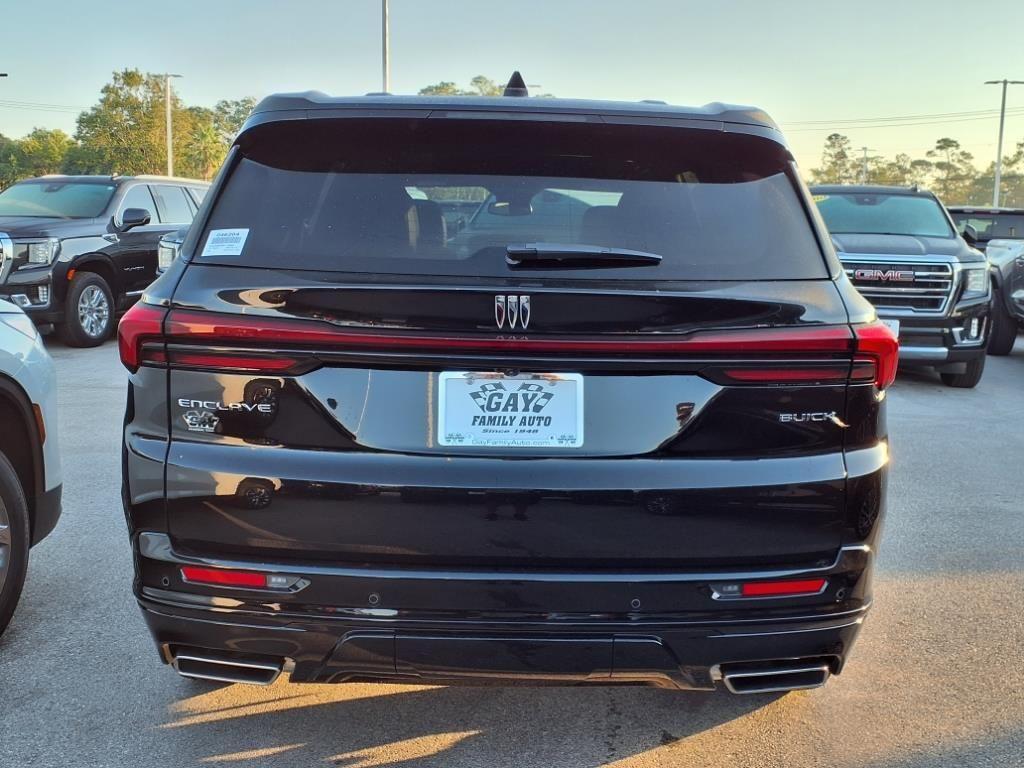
450,626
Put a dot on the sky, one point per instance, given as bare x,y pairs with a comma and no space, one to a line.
816,67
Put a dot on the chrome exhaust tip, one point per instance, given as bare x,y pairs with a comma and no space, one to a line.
225,669
790,676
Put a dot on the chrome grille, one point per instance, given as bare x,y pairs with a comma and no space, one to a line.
928,293
6,256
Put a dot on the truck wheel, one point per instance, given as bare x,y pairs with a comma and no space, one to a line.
88,311
969,378
1003,335
14,541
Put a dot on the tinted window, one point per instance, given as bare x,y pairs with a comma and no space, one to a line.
198,193
447,197
992,226
67,200
172,204
138,197
874,214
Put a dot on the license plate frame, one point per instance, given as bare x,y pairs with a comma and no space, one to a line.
520,411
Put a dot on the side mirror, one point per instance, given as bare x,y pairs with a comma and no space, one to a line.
134,217
970,234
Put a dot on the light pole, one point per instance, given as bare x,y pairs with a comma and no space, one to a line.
864,165
999,150
385,46
167,117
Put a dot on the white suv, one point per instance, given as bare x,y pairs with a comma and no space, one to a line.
30,474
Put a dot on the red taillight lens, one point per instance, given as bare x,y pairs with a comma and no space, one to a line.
782,588
225,578
140,323
796,375
230,361
209,328
878,344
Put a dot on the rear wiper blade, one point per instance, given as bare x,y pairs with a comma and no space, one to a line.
576,256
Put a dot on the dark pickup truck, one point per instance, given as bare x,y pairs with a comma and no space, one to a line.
999,233
75,250
901,251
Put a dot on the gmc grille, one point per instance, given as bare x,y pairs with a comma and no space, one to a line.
6,256
928,292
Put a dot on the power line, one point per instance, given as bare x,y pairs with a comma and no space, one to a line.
896,117
866,126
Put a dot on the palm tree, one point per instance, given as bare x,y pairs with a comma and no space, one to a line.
205,150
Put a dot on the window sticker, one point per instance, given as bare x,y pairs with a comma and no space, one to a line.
225,242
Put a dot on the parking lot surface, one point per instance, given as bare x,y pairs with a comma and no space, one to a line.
937,678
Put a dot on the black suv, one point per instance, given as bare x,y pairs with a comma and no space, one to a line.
622,421
75,250
900,248
999,233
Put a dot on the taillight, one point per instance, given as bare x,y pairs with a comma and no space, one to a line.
877,345
141,323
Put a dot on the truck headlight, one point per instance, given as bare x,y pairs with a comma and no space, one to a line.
166,252
43,252
975,282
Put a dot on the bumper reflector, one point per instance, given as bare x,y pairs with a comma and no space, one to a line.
247,579
782,588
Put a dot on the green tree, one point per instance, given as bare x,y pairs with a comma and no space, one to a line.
444,88
43,151
229,115
8,161
478,86
954,171
205,150
483,86
838,166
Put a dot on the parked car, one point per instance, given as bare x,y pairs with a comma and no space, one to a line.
638,438
75,250
30,472
999,233
901,250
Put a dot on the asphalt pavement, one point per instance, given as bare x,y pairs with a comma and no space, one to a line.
937,677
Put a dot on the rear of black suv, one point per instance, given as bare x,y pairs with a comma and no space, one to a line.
506,389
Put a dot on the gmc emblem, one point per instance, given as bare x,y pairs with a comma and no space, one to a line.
885,275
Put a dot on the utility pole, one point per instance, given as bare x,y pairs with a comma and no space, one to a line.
999,150
385,46
167,117
864,165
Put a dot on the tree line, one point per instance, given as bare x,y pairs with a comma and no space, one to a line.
125,133
947,169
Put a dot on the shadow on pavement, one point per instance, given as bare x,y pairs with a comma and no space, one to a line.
361,725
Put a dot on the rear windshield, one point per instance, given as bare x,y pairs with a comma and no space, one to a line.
881,214
59,199
991,226
448,197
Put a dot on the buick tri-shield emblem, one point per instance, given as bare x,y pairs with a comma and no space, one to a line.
513,309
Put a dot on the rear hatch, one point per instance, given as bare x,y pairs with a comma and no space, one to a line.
507,343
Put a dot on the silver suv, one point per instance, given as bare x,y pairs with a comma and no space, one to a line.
30,472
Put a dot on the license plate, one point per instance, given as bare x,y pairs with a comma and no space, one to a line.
492,410
892,325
